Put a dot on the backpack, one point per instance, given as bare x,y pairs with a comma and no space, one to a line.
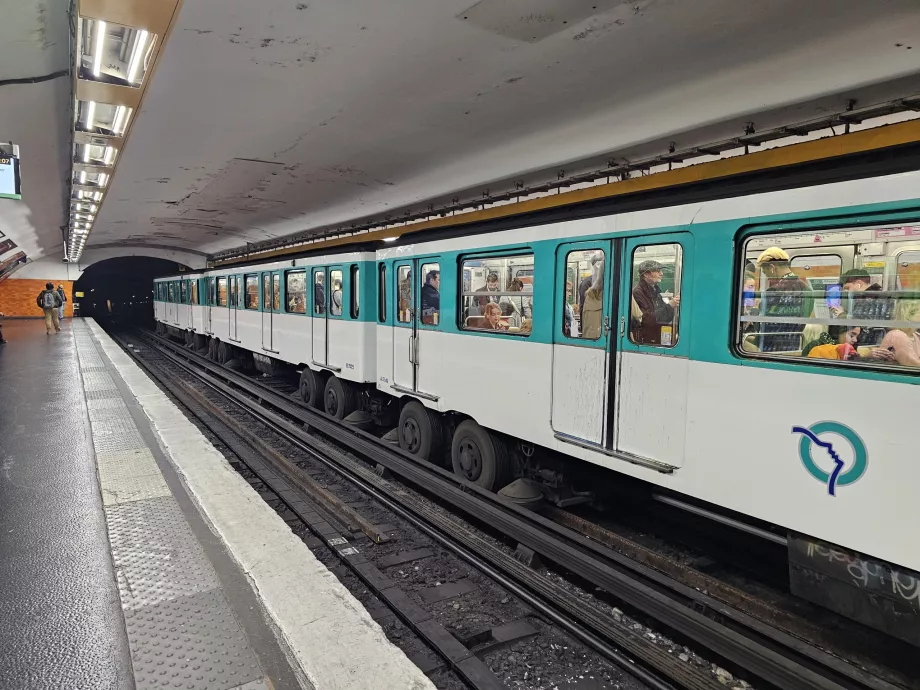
48,301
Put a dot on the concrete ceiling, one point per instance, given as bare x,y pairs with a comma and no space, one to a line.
268,118
35,112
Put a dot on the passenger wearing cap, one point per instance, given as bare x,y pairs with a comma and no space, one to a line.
863,304
655,311
787,296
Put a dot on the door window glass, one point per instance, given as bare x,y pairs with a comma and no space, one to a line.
382,293
852,300
222,292
355,290
266,291
234,291
276,292
194,292
296,290
497,294
404,294
319,292
655,295
431,294
252,292
183,292
335,297
172,293
583,294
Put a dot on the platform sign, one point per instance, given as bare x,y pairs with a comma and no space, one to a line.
9,177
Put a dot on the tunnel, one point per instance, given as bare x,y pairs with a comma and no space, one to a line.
121,288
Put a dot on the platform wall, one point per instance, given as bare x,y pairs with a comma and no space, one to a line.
17,296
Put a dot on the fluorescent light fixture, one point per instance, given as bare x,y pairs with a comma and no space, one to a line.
109,155
100,39
90,114
389,239
86,153
118,122
80,194
82,177
97,196
103,178
92,208
137,56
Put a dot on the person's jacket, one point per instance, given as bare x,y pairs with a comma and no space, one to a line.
788,297
61,292
41,295
431,298
592,316
866,305
655,313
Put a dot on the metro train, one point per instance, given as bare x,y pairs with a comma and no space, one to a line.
670,344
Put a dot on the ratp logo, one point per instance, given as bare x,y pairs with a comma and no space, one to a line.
855,460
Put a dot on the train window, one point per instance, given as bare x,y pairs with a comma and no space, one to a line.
854,299
431,294
319,292
583,294
382,293
234,291
296,290
335,297
276,292
404,294
251,294
183,292
267,291
222,292
655,294
194,292
212,297
355,290
496,294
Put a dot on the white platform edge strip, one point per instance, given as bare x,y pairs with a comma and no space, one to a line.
337,645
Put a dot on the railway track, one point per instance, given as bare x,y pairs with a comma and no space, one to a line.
765,653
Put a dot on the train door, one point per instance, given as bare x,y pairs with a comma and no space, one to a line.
404,329
320,307
271,305
415,324
653,366
234,307
192,301
210,300
583,350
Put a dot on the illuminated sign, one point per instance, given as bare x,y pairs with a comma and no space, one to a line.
9,177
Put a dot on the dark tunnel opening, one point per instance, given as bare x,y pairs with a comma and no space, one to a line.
121,288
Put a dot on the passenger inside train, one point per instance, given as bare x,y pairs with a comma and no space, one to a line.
854,303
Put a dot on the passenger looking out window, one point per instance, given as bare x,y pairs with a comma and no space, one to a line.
335,301
431,295
653,319
296,289
319,293
787,296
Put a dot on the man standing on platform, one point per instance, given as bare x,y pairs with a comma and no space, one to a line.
63,297
49,301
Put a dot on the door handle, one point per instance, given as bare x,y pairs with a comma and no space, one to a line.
622,325
606,325
415,350
411,349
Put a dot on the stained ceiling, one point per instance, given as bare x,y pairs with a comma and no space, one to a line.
263,119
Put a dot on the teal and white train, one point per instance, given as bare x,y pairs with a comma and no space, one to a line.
694,399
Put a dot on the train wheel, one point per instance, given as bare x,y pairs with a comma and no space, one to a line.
311,387
480,456
421,432
339,398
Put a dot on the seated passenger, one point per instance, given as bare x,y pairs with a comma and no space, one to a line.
863,304
431,298
492,314
900,348
656,313
491,286
839,342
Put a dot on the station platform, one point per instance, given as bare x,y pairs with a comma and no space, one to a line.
133,555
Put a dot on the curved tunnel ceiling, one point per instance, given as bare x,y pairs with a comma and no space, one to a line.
266,119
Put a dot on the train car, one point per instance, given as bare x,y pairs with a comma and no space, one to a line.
305,313
754,356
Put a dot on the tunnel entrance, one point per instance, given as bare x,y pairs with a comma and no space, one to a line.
121,287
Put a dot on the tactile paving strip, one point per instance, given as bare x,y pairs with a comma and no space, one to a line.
192,642
130,475
181,630
157,558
